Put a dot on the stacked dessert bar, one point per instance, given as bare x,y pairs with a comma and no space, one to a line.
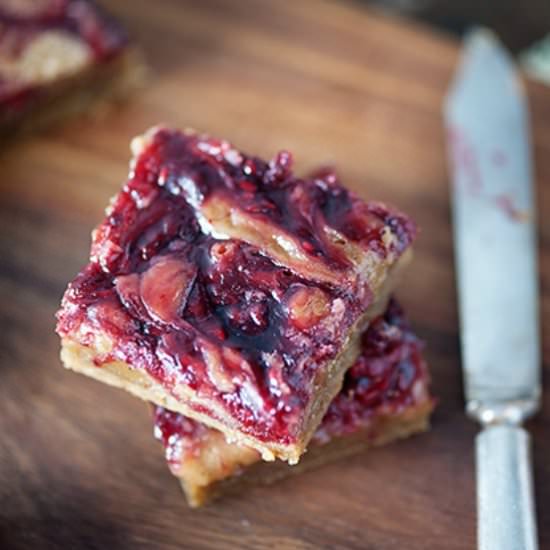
56,57
252,308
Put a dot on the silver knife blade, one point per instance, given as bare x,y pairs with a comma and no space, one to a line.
487,120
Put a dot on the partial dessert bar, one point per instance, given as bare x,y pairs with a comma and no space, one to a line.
56,56
385,397
227,289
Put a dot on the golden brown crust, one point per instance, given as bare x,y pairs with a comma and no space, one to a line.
221,468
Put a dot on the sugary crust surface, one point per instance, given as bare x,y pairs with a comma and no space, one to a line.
238,287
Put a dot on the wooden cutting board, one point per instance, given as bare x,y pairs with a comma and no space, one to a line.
337,85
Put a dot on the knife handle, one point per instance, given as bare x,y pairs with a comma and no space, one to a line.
506,510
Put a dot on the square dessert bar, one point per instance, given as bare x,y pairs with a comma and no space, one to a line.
55,57
385,397
230,290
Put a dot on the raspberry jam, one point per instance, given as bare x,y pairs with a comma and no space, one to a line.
384,380
189,283
24,21
180,436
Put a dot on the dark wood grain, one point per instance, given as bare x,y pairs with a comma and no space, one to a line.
78,465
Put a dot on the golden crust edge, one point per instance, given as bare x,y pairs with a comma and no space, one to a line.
202,483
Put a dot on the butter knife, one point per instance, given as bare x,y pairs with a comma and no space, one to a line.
487,121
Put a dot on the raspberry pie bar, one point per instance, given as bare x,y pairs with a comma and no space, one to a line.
385,397
230,290
55,56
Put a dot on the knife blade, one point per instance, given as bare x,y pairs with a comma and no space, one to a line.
494,227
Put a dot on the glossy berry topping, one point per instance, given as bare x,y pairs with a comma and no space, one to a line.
383,379
180,436
389,376
231,276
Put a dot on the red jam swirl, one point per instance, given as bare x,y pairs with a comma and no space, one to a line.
219,315
382,381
